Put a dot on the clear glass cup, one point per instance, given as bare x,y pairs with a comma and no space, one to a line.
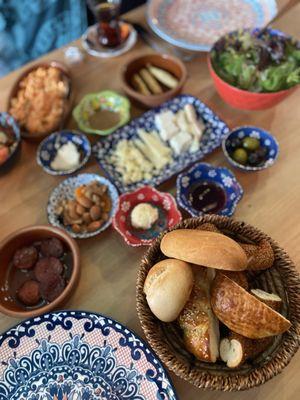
107,14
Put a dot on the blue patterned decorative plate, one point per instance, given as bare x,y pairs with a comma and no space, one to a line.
48,148
77,355
266,140
65,190
215,130
196,24
204,172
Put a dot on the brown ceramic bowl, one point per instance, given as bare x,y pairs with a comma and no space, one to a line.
163,61
67,104
27,236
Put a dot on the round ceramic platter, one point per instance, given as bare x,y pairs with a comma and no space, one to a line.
79,355
196,24
92,47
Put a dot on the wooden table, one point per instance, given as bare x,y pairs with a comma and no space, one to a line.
109,266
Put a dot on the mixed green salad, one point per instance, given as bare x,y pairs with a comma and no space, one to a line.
257,63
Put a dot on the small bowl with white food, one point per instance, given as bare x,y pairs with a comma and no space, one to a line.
143,214
63,152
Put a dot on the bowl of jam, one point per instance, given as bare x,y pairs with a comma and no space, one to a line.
39,270
250,148
205,189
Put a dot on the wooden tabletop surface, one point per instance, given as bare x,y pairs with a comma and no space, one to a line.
109,267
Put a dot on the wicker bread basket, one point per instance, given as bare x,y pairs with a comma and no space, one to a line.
166,338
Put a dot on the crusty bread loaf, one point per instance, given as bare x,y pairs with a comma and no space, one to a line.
208,249
236,349
242,312
270,299
237,276
260,256
167,287
200,326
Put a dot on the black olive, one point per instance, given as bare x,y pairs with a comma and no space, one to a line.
253,159
235,142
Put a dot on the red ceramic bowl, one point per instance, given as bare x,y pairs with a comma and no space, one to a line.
244,100
169,215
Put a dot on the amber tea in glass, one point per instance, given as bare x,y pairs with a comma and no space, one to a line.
107,15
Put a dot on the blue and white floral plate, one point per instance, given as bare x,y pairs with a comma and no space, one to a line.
76,355
48,148
215,131
65,190
221,176
266,140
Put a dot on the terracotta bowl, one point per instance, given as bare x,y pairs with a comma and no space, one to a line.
166,62
67,104
26,236
166,338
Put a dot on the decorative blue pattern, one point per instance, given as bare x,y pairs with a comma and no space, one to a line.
206,172
266,140
48,148
65,190
74,368
215,130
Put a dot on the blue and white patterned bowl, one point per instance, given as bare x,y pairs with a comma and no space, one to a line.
221,176
68,355
65,190
266,140
6,120
48,148
215,131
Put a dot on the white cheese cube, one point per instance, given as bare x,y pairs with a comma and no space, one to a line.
181,142
166,125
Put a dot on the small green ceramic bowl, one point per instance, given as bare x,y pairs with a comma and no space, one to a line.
106,100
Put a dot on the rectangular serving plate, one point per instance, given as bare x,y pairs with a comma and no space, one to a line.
215,131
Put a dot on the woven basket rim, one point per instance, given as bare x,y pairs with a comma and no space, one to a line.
206,379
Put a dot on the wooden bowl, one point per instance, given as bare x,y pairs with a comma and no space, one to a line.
164,61
36,137
27,236
166,338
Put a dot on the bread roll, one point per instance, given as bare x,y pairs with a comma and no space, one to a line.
242,312
167,287
208,249
200,326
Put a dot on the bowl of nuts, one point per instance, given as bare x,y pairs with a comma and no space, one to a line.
83,205
41,99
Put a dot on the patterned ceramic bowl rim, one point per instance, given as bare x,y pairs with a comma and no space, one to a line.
70,171
143,242
124,114
17,132
115,204
233,203
268,163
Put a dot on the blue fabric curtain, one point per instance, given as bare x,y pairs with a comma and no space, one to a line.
30,28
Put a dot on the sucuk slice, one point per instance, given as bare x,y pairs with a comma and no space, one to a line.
52,288
29,293
25,257
52,247
46,268
242,312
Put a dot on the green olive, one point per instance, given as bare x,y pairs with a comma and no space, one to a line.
251,143
240,156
